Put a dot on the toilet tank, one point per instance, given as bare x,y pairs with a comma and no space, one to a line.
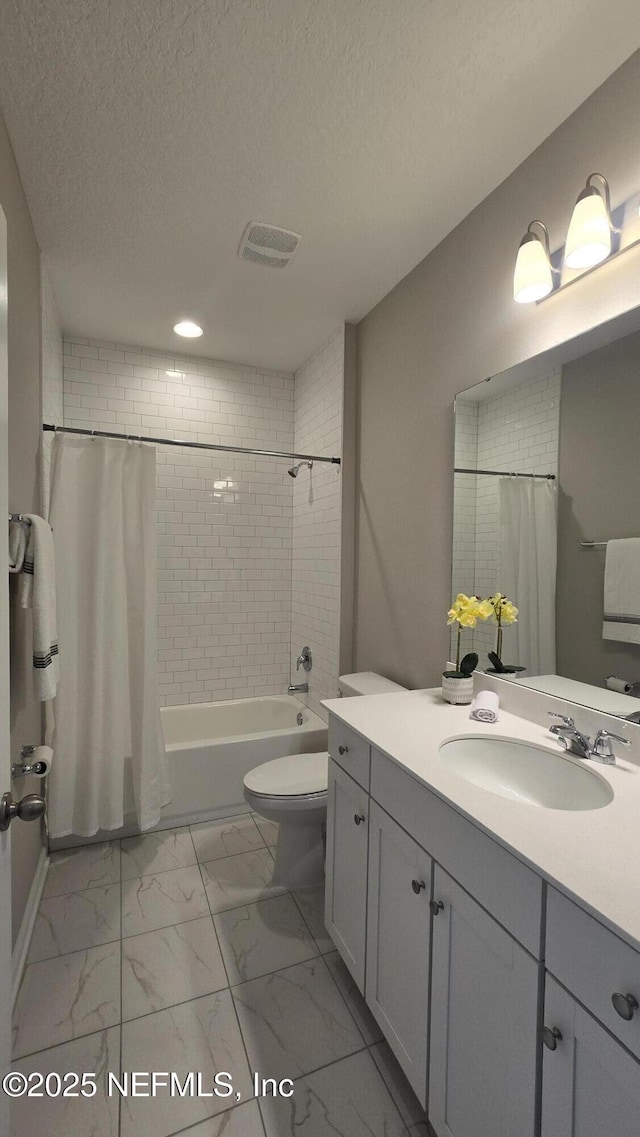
367,683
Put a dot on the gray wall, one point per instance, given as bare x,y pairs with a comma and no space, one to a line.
599,499
448,324
23,270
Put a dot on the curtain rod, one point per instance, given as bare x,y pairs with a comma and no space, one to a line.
193,445
505,474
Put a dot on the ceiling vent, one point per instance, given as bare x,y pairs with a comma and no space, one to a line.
267,245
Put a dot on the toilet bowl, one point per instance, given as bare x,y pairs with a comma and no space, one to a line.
292,791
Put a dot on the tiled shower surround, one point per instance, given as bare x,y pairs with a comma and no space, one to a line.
226,522
516,430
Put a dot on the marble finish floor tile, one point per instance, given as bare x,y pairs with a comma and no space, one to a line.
268,829
64,998
76,1116
259,938
311,903
156,901
73,870
397,1084
242,879
202,1035
156,852
241,1121
74,921
347,1099
226,837
359,1009
171,965
295,1021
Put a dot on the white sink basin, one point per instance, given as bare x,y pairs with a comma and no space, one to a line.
524,772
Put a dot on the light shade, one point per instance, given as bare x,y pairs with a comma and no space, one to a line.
532,277
589,236
187,328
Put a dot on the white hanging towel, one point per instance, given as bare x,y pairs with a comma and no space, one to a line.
17,545
110,757
622,591
37,590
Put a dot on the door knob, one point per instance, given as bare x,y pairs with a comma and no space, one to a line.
624,1005
551,1036
29,808
343,750
358,818
435,907
417,886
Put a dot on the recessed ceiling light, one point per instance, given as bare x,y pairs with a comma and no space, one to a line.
187,328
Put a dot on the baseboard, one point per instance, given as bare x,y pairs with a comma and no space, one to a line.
21,948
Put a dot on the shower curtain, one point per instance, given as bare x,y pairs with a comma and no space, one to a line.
528,557
109,750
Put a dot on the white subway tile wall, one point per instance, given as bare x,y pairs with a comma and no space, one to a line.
224,520
52,398
516,431
315,572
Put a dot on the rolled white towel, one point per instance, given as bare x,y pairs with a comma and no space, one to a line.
485,706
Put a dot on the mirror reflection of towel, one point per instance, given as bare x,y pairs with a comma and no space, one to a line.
622,591
17,544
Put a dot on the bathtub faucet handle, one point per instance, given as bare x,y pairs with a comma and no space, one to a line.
305,659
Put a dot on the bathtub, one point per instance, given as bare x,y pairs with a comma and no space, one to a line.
211,746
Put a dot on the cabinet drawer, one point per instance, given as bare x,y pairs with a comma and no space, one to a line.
498,880
594,964
349,750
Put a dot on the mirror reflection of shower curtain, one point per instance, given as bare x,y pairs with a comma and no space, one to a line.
528,558
107,735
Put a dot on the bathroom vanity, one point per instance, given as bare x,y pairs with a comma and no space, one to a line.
496,942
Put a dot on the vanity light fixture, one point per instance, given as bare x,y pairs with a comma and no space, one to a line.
589,237
533,274
187,328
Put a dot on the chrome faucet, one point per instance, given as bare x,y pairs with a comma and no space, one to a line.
298,688
575,742
305,659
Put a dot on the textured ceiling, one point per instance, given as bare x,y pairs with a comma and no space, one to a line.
149,132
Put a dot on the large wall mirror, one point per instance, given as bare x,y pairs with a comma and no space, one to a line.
568,424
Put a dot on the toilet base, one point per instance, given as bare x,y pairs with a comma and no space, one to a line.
299,856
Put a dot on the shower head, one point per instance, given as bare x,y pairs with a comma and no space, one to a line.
293,472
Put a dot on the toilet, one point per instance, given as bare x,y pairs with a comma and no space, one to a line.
292,791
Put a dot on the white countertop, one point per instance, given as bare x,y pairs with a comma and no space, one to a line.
593,856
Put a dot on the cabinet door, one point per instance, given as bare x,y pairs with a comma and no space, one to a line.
484,1012
590,1083
346,869
398,931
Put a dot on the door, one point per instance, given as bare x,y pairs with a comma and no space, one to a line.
590,1083
484,1012
5,782
398,948
346,869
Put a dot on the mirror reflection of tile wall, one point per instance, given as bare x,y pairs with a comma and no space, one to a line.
516,430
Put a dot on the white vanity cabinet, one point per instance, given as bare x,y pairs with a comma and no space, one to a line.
346,869
398,934
484,1012
590,1083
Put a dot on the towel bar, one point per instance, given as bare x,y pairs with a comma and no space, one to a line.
19,517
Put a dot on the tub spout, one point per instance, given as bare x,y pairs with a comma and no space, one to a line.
298,688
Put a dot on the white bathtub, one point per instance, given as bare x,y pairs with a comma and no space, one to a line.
211,746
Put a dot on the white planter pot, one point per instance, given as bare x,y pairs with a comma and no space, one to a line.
457,691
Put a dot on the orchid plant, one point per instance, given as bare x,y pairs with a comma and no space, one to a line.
504,613
465,612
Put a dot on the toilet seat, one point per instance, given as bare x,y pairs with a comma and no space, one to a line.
294,776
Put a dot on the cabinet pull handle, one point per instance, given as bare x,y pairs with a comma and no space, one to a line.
358,818
624,1005
417,886
343,750
435,907
551,1036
